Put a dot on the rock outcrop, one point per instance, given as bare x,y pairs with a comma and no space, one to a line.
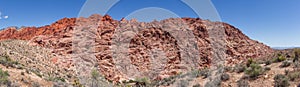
123,50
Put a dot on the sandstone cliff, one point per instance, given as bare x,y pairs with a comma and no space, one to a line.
127,49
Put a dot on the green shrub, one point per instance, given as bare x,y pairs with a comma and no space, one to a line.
285,64
249,62
268,62
281,81
4,77
7,61
254,70
95,78
279,58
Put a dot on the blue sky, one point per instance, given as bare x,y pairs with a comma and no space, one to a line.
273,22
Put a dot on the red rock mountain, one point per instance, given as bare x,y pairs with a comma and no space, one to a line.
166,41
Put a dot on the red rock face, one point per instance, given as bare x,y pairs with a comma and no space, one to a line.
155,46
29,32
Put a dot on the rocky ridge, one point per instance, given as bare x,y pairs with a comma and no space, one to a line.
144,41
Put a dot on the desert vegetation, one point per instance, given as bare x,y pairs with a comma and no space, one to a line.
4,78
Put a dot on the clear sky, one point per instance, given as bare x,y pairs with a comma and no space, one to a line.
273,22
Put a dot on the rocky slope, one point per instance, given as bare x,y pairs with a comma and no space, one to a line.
123,50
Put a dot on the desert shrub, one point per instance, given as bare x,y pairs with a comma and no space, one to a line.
285,64
216,82
56,79
240,68
296,55
95,74
267,68
279,58
286,72
293,75
7,61
281,81
97,80
142,82
254,70
225,77
205,73
249,62
4,77
242,83
268,62
228,69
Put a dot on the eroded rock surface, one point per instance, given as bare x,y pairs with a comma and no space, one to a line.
123,50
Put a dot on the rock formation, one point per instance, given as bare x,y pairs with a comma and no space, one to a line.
123,50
